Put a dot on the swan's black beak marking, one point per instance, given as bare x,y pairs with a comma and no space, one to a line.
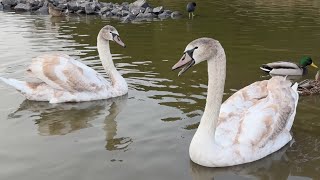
185,62
117,39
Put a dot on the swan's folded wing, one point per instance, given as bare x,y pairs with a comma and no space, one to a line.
267,120
62,72
234,108
257,121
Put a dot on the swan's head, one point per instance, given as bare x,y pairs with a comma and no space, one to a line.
110,33
199,50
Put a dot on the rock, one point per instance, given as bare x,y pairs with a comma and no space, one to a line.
136,10
104,10
125,13
103,4
176,15
35,3
146,15
89,9
148,10
107,14
119,7
167,12
138,3
44,9
10,3
115,11
158,10
126,7
164,15
22,7
140,15
125,4
96,6
128,18
73,6
62,6
6,7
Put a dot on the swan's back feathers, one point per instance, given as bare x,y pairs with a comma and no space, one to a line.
260,113
62,72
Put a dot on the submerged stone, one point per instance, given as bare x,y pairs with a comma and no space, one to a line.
176,15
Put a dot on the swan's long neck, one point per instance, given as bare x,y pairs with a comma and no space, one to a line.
216,80
107,63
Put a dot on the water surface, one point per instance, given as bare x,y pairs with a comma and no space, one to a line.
146,134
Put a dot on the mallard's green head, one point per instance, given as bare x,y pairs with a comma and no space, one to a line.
306,61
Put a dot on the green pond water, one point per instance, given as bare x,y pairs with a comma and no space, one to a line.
146,134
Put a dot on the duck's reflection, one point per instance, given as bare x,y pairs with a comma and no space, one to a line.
55,20
61,119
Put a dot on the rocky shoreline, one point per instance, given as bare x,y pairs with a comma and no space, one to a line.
137,11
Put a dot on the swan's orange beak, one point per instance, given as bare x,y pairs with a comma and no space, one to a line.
117,39
185,63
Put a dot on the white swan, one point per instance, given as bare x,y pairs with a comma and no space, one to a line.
253,123
63,79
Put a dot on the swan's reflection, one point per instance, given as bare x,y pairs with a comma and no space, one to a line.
300,161
61,119
256,170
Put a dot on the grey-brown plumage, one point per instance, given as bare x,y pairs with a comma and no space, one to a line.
56,12
310,86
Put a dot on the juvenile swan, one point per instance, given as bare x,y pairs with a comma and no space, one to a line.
63,79
251,124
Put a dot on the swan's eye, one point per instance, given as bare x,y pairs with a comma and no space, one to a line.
196,47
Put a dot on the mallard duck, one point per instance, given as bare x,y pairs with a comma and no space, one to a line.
309,86
64,79
57,12
251,124
284,68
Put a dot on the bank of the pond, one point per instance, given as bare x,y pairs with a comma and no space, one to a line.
139,10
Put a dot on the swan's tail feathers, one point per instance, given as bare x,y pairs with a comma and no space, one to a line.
295,87
296,97
265,68
19,85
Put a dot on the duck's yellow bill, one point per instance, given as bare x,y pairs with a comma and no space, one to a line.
313,65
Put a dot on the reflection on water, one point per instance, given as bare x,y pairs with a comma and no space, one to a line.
151,134
61,119
276,162
293,161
